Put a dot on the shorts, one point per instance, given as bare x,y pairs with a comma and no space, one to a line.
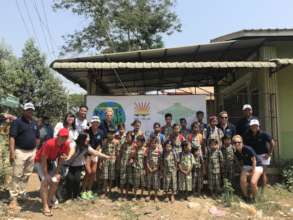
249,168
264,161
40,171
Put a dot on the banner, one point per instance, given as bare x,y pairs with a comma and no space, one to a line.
148,109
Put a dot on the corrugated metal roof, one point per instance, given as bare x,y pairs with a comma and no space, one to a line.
254,33
163,65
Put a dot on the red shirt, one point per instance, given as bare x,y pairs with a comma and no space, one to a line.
51,150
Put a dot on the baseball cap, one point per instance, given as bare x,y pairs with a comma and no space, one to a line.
246,106
254,122
63,132
95,119
29,105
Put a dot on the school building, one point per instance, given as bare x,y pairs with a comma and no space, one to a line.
248,66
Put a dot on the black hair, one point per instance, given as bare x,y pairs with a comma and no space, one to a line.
83,106
69,114
226,138
80,141
199,112
121,125
175,125
168,115
182,119
213,141
156,124
184,144
111,131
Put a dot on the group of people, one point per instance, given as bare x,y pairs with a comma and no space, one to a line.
173,158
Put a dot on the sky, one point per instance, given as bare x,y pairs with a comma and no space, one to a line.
202,20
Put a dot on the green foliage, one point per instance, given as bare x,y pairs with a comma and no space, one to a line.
120,25
74,101
29,78
228,192
287,174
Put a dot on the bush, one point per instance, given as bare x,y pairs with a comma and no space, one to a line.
287,174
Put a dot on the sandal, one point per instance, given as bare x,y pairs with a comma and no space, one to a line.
48,213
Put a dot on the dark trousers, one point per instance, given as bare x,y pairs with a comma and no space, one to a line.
73,182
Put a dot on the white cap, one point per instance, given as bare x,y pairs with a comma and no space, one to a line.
254,122
95,119
246,106
29,105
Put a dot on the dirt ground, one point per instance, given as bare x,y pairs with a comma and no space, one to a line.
274,203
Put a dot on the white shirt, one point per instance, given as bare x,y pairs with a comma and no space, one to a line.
73,134
81,126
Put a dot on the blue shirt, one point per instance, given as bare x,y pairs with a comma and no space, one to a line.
96,139
246,155
243,125
229,131
25,133
105,127
258,142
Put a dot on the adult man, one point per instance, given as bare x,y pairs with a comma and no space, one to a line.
243,124
24,138
251,167
167,128
107,123
47,162
199,118
228,128
262,143
81,122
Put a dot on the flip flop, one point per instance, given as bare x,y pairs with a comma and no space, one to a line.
48,213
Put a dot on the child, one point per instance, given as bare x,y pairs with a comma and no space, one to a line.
215,164
152,166
108,167
228,155
125,167
169,168
197,175
120,137
195,138
177,138
186,163
183,128
137,161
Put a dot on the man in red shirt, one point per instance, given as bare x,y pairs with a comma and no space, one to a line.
47,162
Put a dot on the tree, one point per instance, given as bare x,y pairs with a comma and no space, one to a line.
120,25
75,101
37,84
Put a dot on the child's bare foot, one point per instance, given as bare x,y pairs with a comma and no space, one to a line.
147,199
156,199
172,199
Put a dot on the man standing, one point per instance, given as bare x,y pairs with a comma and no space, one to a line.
251,168
243,124
199,118
24,138
228,128
107,123
48,163
262,143
81,122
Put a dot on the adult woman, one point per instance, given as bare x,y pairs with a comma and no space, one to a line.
69,123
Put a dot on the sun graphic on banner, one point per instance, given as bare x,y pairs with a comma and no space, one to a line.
142,108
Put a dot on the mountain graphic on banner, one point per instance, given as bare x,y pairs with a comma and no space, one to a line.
178,111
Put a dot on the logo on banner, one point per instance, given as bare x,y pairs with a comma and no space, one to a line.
119,113
178,111
142,109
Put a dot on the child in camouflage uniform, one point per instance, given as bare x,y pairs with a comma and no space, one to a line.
169,170
137,161
197,174
228,154
185,166
215,165
125,166
176,138
153,167
120,136
109,148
